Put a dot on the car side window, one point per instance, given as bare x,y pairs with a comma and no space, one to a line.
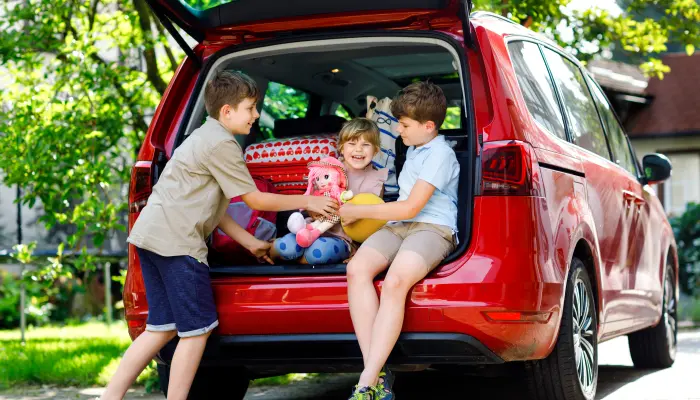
618,143
341,111
536,85
586,130
281,102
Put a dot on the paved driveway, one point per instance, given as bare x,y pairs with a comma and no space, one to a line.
618,381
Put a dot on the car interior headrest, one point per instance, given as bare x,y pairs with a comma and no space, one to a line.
285,128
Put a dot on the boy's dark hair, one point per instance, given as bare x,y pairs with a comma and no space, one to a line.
421,101
228,88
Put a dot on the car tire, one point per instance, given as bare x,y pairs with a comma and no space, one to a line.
655,347
211,383
570,372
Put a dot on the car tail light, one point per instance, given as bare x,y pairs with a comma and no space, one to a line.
508,168
141,185
517,316
136,323
134,295
143,176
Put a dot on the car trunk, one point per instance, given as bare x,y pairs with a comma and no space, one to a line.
220,19
235,22
374,62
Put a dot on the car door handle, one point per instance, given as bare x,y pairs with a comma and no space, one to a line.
631,198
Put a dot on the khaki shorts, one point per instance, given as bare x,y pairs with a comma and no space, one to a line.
431,241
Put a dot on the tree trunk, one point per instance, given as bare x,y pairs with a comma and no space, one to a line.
149,53
504,8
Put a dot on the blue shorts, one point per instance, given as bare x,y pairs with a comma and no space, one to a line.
325,250
179,294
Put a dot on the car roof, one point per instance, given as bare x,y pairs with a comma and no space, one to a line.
506,28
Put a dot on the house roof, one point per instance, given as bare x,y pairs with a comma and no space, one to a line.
617,76
676,105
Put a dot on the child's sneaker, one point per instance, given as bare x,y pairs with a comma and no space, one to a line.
362,393
382,391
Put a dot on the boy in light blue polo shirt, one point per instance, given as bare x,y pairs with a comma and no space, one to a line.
420,236
434,162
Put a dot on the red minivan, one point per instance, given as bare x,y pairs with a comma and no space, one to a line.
563,243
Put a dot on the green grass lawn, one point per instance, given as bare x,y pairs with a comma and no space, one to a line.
83,355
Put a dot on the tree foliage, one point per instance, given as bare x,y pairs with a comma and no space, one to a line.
686,228
81,78
588,32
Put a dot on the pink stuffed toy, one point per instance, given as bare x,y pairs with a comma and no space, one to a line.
327,177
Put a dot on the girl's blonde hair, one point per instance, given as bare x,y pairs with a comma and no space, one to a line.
359,128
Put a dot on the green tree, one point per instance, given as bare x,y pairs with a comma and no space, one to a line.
686,228
634,32
82,75
282,101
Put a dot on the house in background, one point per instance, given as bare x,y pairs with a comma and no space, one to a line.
624,84
31,230
661,116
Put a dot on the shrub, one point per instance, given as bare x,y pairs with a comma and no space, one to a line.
37,310
686,228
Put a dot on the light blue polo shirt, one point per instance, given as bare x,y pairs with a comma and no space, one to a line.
436,163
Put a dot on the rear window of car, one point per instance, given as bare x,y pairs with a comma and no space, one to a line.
453,117
281,102
621,154
341,111
581,112
536,86
328,82
204,4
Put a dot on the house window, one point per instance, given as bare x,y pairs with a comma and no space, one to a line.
683,186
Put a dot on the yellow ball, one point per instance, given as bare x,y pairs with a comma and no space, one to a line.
360,230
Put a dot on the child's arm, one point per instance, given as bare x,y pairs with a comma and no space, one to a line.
277,202
259,248
395,211
226,165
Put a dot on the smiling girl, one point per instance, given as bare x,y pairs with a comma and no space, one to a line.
357,144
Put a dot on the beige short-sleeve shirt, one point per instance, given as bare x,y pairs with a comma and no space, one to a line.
192,194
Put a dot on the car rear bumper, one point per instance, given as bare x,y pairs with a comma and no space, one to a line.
307,336
337,349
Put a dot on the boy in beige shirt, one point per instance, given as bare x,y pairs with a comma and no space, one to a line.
187,204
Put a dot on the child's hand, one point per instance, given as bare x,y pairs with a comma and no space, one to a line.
323,205
347,214
261,251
